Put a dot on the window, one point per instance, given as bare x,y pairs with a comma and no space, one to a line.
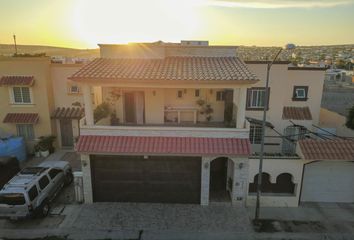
33,193
256,98
21,95
283,186
26,131
179,94
220,96
12,199
300,93
54,172
255,134
43,182
197,93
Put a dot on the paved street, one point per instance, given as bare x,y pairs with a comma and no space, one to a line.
176,221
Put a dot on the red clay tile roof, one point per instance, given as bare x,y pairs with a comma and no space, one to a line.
17,80
73,112
169,68
297,113
163,145
30,118
327,149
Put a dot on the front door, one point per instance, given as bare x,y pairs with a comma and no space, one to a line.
66,130
134,107
129,106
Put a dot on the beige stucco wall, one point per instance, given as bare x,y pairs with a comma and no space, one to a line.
59,74
329,119
275,167
282,82
43,102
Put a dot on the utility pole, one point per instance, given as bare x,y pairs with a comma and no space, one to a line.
15,44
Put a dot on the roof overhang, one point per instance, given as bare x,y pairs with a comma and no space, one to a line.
183,146
24,118
311,149
17,81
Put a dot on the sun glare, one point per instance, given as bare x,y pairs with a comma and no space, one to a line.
112,21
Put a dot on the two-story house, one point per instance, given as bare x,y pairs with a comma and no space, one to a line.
177,131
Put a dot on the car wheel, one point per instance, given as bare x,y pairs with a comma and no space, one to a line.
44,209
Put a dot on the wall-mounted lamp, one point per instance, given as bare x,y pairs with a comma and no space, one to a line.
240,165
206,165
84,163
146,157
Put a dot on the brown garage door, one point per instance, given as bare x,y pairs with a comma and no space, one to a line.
156,179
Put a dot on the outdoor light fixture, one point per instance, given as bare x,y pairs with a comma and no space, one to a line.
206,165
240,165
288,46
154,93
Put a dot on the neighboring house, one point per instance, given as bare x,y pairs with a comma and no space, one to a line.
37,99
68,103
334,124
25,102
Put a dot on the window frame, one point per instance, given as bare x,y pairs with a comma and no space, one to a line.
26,136
297,98
71,85
58,171
13,98
249,105
253,136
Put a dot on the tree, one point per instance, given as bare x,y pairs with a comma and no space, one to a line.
350,118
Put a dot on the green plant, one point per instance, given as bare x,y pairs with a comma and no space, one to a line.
350,118
46,143
101,111
205,108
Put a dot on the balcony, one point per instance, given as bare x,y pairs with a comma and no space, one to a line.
185,112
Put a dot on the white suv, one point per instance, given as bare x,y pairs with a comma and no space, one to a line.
31,191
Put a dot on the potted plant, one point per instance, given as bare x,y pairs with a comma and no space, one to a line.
46,145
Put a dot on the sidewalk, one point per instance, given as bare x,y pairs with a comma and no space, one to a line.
177,221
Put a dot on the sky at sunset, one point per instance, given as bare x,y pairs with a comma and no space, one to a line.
84,23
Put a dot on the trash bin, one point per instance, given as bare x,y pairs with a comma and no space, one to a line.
79,189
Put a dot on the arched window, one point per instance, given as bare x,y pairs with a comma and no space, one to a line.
285,184
266,184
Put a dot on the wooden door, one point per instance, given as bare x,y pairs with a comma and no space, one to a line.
66,130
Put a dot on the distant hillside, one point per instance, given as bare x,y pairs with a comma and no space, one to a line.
8,50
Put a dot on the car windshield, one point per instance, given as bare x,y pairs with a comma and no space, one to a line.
12,199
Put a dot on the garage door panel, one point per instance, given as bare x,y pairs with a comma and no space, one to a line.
328,181
156,179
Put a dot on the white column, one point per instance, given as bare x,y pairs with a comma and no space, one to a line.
205,180
88,104
86,178
241,108
240,181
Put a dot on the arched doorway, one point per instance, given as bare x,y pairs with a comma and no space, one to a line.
218,190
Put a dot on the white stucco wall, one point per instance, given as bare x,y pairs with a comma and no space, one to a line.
275,167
